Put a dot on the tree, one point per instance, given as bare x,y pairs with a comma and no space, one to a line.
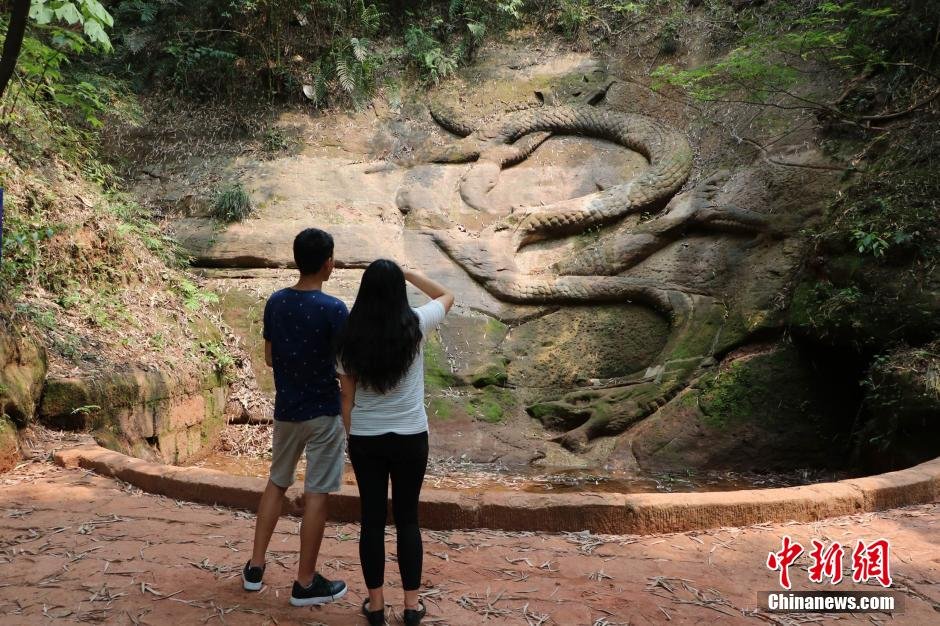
13,42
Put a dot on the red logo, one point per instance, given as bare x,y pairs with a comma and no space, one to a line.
868,561
783,559
871,561
826,563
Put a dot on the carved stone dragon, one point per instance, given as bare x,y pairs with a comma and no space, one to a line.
594,274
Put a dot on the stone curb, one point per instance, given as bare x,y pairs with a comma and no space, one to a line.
605,513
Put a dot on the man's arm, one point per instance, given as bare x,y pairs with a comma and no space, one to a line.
347,393
267,354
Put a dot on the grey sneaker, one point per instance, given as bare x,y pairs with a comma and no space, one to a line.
320,591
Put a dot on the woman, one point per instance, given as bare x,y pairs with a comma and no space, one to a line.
381,366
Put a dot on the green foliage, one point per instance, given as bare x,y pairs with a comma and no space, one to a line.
440,408
573,15
870,243
669,33
877,251
892,208
327,51
630,7
25,232
777,48
21,249
347,71
137,221
218,355
232,204
89,14
52,101
199,70
194,297
86,409
426,54
773,389
274,140
745,68
238,48
510,9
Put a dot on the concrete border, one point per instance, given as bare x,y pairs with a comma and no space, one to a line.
604,513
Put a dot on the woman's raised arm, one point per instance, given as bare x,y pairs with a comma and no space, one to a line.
432,288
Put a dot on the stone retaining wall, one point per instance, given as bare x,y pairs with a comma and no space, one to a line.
154,414
445,509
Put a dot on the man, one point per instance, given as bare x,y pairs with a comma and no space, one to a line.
300,324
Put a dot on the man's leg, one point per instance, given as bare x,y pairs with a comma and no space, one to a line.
325,438
269,511
311,536
285,452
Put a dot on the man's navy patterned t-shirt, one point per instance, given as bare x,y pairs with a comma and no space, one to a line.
301,326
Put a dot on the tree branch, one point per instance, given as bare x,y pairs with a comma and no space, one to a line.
896,114
14,42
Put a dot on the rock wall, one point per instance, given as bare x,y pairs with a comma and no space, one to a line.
542,338
902,403
22,370
9,444
149,414
764,408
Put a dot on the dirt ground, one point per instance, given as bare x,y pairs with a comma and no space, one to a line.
77,547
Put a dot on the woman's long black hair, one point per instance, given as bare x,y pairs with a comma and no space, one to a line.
382,336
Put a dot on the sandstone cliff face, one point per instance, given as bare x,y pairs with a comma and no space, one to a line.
22,371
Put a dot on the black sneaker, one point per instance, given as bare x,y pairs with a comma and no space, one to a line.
375,618
413,617
251,577
320,591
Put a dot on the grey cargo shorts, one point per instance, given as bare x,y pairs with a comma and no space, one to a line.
324,440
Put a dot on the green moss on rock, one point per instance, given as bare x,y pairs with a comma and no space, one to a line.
491,404
774,388
22,371
440,408
490,375
437,372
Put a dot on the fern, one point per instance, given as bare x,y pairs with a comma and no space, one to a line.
344,77
359,48
137,40
142,10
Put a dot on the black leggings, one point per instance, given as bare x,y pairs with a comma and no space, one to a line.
405,459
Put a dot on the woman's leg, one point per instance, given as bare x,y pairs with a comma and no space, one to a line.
372,471
408,466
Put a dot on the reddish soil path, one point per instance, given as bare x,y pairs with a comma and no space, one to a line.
78,547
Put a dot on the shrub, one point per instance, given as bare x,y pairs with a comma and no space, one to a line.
232,204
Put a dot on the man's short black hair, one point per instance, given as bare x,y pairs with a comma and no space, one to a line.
312,248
